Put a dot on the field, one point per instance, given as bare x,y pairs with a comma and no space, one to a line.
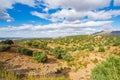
85,57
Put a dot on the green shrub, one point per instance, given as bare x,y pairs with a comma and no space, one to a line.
101,49
35,44
43,45
117,41
29,43
73,49
39,56
57,52
24,51
7,42
67,57
90,48
107,70
4,48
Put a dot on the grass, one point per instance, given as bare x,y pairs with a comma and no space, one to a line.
77,52
107,70
6,75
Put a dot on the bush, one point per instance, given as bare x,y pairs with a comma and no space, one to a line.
67,57
107,70
43,45
4,48
39,56
57,52
8,42
101,49
116,42
24,51
29,43
90,48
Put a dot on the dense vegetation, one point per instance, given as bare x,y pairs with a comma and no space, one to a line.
4,48
9,42
39,56
24,51
107,70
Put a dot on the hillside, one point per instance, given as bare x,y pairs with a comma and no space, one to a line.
67,58
108,33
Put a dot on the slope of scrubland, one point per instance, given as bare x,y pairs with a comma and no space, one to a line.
88,57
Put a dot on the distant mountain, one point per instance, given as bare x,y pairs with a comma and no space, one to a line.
11,38
19,38
108,33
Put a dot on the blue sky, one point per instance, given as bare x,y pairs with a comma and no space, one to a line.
54,18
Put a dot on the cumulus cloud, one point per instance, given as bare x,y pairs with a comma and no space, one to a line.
73,15
58,26
40,15
8,4
66,14
30,3
78,4
117,2
5,16
103,15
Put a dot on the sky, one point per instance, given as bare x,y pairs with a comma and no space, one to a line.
56,18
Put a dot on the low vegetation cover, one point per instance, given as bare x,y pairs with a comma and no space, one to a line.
9,42
6,75
107,70
4,48
76,53
24,51
67,57
101,49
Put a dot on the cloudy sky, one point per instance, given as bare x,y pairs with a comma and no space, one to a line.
54,18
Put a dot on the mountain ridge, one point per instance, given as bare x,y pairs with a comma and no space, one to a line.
108,33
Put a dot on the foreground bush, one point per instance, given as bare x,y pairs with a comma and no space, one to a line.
24,51
107,70
4,48
9,42
39,56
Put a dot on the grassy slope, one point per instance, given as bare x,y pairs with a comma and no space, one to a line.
86,51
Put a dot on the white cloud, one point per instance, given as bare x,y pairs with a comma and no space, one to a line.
30,3
66,14
103,15
73,15
57,26
117,2
40,15
5,16
56,29
100,15
78,4
8,4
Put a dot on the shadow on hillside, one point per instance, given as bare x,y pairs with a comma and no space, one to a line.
63,72
51,61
